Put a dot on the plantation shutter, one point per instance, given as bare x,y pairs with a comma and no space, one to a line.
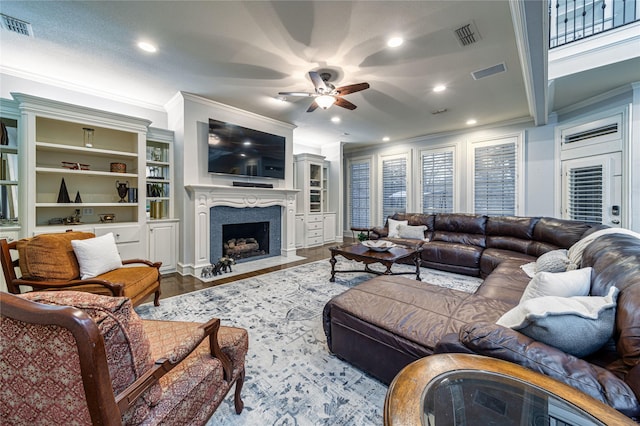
437,182
394,186
495,179
586,193
360,194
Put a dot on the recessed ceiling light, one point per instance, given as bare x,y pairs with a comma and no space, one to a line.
395,41
147,47
471,122
335,119
246,143
385,139
440,88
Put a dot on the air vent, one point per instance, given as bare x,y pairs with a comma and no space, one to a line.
592,133
16,25
467,34
439,111
496,69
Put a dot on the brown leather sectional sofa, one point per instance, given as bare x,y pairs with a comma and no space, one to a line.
386,323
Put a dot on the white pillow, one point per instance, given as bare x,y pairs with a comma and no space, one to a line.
576,325
561,284
529,269
96,255
393,227
412,232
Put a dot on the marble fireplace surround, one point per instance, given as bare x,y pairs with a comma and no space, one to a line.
204,197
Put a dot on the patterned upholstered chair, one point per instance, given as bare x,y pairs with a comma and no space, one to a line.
72,357
48,262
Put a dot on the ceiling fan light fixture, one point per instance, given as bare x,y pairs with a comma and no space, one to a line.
325,101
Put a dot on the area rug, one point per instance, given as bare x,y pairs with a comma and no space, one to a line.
291,378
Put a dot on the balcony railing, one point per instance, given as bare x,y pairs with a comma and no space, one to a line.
573,20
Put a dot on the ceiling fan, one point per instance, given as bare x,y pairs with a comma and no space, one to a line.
326,94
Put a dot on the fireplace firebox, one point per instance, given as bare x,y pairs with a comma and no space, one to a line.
243,240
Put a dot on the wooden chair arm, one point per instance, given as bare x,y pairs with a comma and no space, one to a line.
117,289
156,265
163,365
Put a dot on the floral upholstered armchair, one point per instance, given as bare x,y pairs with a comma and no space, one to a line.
78,358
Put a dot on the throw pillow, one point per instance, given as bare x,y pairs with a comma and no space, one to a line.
412,232
529,269
393,227
576,325
97,255
561,284
553,261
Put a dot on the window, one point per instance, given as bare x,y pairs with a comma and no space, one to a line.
495,178
437,181
585,193
360,194
394,185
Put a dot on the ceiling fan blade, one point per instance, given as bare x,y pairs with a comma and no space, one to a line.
313,106
352,88
296,94
318,82
341,102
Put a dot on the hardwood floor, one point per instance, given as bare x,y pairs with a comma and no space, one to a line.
176,284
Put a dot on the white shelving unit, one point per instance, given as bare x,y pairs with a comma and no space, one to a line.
54,136
313,219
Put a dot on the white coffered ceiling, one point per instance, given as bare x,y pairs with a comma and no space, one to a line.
243,53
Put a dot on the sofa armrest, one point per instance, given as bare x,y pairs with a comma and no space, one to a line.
116,289
172,359
504,343
379,232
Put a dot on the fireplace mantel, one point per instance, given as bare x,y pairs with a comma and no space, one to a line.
204,197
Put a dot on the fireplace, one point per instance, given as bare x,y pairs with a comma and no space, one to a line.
255,231
244,240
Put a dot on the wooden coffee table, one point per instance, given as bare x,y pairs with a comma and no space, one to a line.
360,253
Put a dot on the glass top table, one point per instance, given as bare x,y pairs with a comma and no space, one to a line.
460,389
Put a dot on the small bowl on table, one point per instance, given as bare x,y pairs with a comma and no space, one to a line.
378,245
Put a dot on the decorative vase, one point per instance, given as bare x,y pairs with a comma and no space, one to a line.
123,190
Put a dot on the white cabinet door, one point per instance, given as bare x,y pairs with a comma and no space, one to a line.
162,244
299,231
329,227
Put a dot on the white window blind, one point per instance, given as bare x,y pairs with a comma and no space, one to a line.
394,186
495,179
586,193
360,194
437,182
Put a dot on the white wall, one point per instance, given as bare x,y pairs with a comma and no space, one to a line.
155,113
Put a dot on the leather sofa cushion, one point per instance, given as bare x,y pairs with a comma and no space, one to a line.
50,256
507,283
492,257
462,223
459,254
512,226
560,233
403,306
615,259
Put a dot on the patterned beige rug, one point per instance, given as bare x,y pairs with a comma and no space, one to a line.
292,379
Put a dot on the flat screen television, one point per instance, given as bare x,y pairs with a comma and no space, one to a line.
236,150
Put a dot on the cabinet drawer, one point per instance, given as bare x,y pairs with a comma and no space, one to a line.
122,234
314,225
314,233
315,241
314,218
